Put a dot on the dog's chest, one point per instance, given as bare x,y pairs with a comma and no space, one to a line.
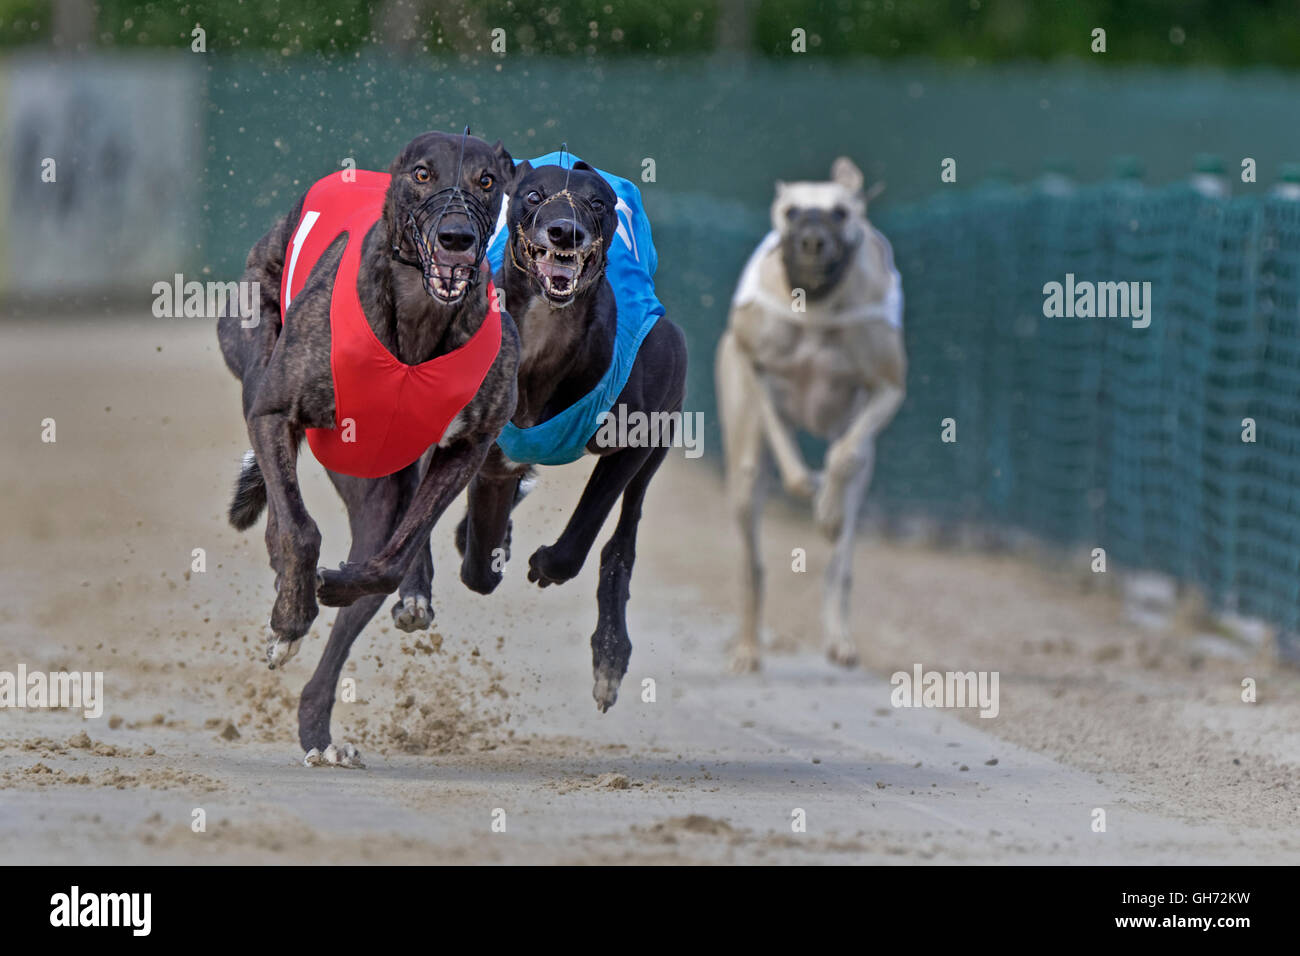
799,353
812,375
541,328
548,345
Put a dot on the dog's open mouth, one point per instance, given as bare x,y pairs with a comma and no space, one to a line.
445,281
558,271
446,284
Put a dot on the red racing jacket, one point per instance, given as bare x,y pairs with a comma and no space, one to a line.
386,413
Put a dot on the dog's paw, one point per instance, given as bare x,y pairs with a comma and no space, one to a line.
280,651
413,613
346,756
743,659
605,691
462,535
480,580
842,652
805,484
350,582
293,612
828,510
547,567
332,587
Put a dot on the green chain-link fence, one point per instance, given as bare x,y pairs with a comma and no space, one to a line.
1089,431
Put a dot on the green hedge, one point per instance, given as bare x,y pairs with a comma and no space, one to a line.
1204,32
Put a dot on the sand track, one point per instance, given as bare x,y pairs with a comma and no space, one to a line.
492,709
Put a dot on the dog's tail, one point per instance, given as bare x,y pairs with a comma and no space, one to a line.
250,494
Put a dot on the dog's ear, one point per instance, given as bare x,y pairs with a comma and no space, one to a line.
505,163
780,188
518,173
844,172
583,164
390,205
396,165
609,215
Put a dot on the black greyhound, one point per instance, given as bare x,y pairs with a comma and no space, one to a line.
561,224
424,294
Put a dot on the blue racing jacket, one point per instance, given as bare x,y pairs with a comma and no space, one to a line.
630,268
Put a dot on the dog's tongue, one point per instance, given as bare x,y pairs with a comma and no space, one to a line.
559,279
555,270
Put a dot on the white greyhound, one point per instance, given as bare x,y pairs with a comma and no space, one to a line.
814,342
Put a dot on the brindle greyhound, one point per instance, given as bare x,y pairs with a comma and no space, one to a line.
561,224
423,294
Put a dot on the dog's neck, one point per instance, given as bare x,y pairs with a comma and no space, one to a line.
564,350
410,323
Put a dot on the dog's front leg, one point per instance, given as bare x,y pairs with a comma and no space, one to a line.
611,648
559,562
490,501
838,585
851,454
850,461
296,540
796,477
413,610
449,472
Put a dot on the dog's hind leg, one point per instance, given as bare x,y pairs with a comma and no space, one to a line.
523,486
295,546
749,470
611,648
838,590
487,527
374,506
747,489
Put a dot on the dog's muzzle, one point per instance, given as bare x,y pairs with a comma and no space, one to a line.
816,258
449,231
559,273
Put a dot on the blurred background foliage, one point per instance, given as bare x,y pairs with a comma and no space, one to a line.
1204,32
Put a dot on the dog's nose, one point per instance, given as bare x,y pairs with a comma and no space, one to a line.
812,245
565,233
458,238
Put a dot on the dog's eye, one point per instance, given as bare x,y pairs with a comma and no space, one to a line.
598,205
533,197
420,174
486,181
792,213
839,214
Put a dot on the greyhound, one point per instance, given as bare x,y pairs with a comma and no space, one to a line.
412,357
585,349
814,342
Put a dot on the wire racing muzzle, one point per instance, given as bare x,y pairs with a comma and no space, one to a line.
447,273
559,273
